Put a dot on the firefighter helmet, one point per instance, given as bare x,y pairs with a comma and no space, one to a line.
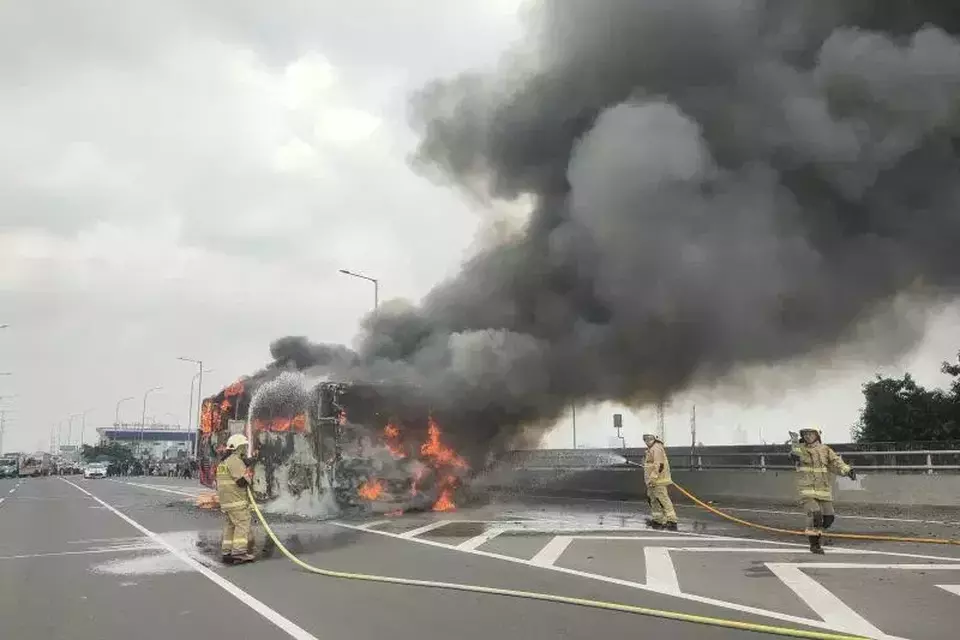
236,441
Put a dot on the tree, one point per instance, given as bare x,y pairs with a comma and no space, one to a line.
900,410
114,453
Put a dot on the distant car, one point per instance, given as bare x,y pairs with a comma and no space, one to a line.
95,470
9,468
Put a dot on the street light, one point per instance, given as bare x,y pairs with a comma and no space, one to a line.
199,364
376,285
83,425
143,416
193,382
116,419
70,427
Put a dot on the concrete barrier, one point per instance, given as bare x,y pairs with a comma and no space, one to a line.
769,487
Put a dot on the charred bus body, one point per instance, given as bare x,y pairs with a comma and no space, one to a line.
333,442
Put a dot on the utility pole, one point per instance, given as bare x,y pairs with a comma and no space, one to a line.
199,363
693,435
3,426
693,428
660,425
574,415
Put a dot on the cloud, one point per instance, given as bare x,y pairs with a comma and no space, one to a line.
186,178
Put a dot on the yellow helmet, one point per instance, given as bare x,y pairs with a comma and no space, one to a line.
236,441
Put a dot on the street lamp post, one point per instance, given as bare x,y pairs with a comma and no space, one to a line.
199,364
116,419
83,426
376,285
143,416
70,427
193,383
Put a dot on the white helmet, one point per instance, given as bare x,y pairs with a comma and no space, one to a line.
236,441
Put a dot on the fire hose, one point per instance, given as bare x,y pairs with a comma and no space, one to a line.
792,532
550,597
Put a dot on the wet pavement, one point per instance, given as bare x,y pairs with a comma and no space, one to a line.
107,559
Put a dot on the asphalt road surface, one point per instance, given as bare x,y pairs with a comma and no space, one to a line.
112,560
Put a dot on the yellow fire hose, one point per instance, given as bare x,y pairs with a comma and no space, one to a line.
549,597
843,536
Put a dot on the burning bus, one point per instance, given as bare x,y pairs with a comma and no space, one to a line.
323,446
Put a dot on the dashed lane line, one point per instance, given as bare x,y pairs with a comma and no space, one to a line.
284,624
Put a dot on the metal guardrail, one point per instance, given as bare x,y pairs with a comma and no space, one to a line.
930,460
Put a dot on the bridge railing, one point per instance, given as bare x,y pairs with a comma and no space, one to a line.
928,461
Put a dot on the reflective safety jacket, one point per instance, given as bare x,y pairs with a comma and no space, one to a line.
229,471
815,463
656,467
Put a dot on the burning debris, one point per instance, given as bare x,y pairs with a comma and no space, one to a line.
322,449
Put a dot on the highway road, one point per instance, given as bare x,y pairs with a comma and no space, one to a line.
118,559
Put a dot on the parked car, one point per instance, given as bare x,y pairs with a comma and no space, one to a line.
95,470
9,466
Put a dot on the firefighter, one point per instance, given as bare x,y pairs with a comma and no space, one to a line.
815,462
233,478
656,475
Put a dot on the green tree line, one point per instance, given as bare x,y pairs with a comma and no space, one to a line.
900,410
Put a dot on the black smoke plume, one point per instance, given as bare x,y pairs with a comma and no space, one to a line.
716,184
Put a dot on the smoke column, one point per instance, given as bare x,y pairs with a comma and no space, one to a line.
716,184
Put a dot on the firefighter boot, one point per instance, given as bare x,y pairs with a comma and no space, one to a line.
653,524
243,558
827,523
815,545
671,526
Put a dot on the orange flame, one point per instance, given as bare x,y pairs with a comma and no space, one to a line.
445,501
439,459
392,439
371,489
437,451
298,423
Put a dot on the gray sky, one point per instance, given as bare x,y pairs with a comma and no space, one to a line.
185,178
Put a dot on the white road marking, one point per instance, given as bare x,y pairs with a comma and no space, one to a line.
828,606
769,550
799,514
95,540
633,538
271,615
572,530
889,567
12,490
413,533
480,540
85,552
159,488
551,551
375,523
661,574
952,588
733,606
